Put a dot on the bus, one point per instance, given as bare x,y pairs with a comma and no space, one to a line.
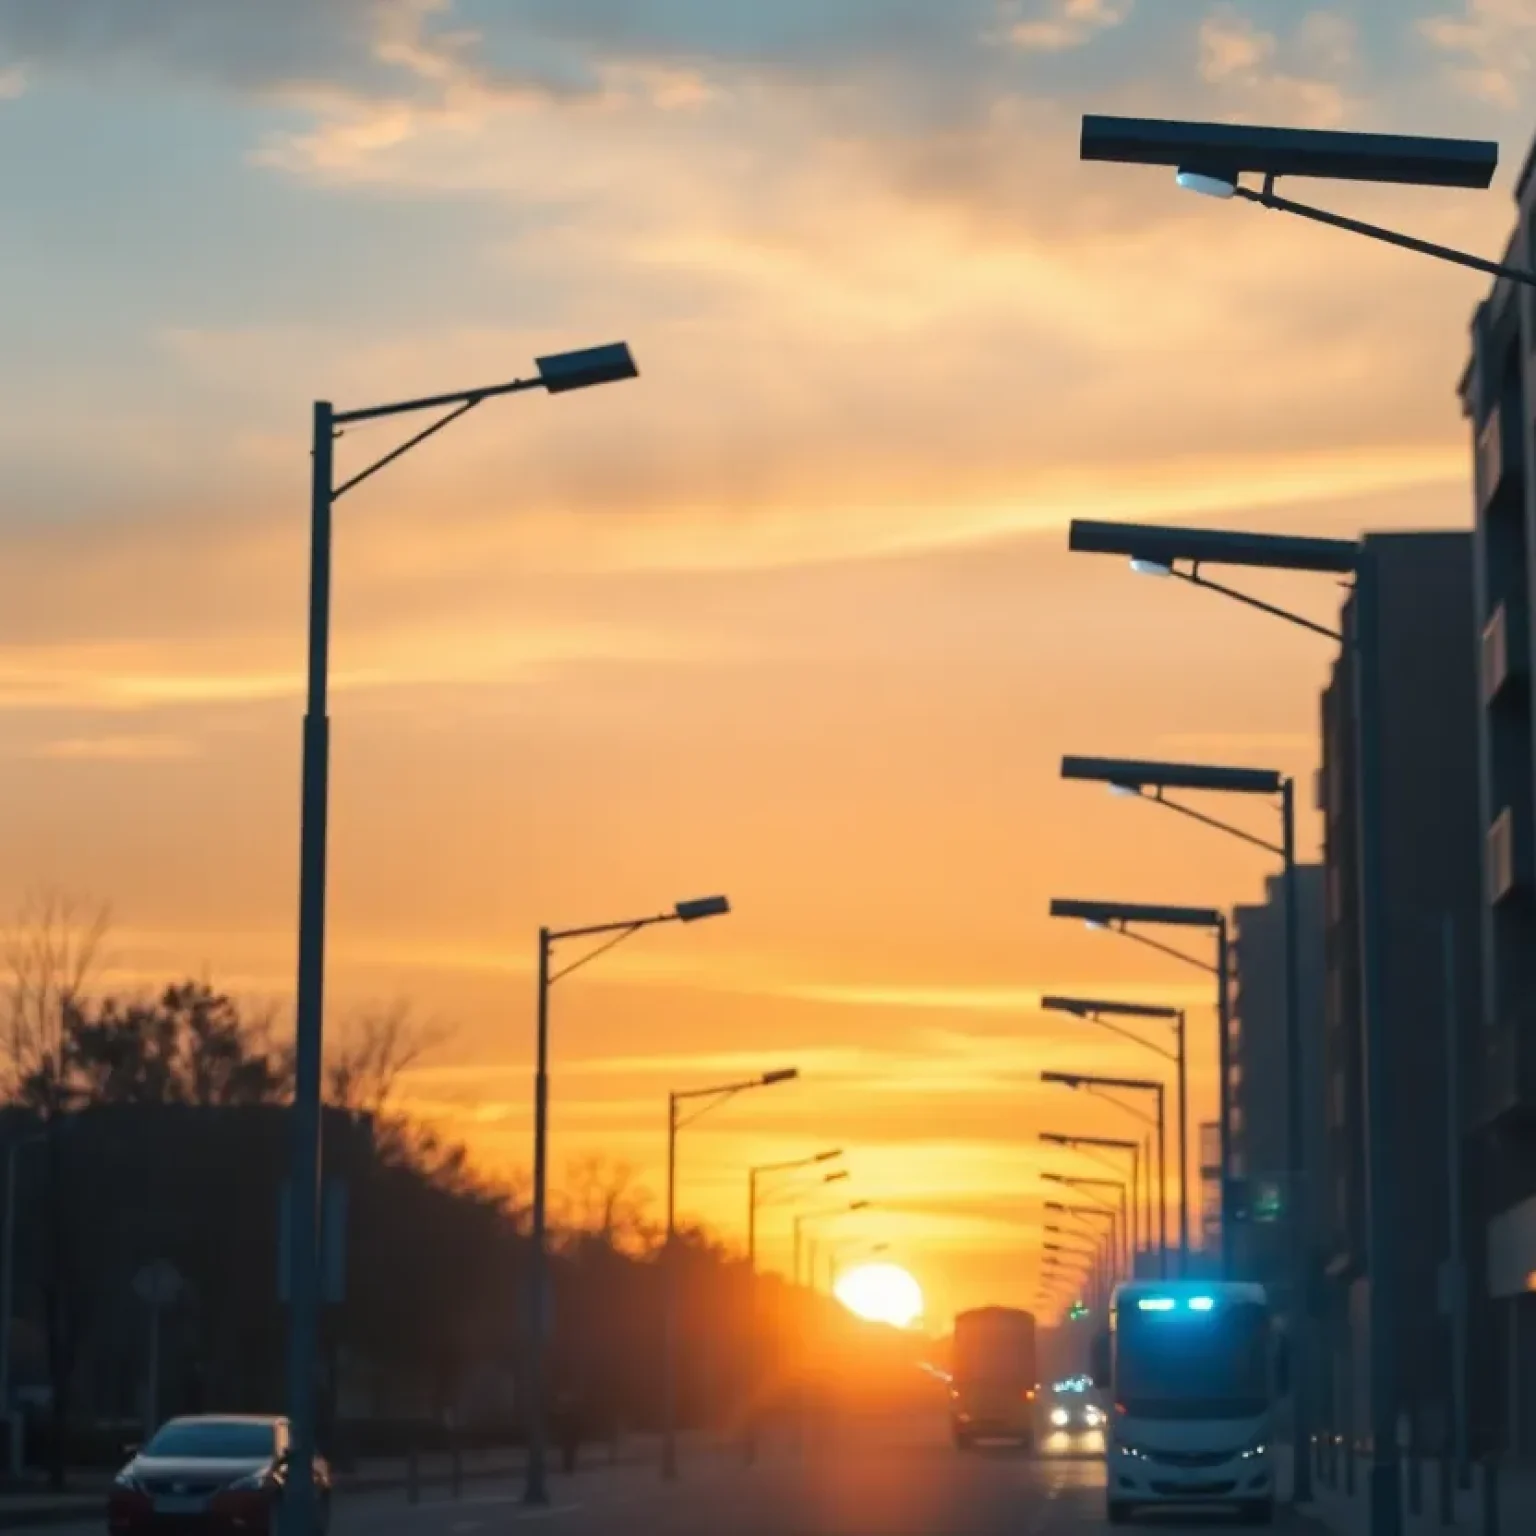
993,1380
1195,1371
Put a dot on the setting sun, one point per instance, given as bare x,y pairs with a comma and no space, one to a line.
882,1293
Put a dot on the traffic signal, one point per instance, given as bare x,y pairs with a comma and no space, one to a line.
1077,1311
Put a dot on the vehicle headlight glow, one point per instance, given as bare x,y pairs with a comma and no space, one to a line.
1060,1418
1202,1303
1095,1417
1155,1304
1257,1449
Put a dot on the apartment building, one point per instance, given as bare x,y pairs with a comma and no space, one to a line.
1263,1242
1431,877
1497,391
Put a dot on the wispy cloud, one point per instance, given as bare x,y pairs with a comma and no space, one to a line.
118,749
1491,45
1244,62
1069,24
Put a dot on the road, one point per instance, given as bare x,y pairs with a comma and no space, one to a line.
893,1477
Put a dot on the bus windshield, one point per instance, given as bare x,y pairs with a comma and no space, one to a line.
1183,1364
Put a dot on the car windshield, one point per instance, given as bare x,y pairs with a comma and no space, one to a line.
1184,1365
215,1439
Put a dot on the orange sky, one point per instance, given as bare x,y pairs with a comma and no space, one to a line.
791,617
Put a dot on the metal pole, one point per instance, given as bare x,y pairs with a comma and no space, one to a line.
1162,1183
7,1300
1457,1285
669,1255
304,1201
152,1375
1224,1055
535,1485
1146,1185
754,1343
1135,1206
1295,1136
1386,1518
1183,1144
1125,1232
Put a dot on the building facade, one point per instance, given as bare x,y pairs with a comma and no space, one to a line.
1430,885
1263,1241
1497,392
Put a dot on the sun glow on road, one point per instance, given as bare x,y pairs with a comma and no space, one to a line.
882,1293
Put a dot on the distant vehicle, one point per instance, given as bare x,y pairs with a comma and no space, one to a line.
993,1382
1073,1409
210,1473
1196,1371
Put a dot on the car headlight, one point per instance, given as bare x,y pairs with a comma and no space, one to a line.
1257,1449
1060,1418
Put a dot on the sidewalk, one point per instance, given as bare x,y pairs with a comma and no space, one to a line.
37,1507
1516,1505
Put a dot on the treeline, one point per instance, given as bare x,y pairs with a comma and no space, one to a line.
152,1132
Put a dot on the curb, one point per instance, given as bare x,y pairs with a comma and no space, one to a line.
73,1509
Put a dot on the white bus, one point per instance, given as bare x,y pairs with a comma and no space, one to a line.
1195,1373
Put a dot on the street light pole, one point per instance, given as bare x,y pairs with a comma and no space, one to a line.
1159,549
557,374
536,1490
696,909
1104,1013
1151,781
711,1098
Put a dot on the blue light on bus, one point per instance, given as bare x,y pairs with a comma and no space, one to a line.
1155,1304
1202,1303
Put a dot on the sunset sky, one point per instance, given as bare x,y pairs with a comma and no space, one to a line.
791,617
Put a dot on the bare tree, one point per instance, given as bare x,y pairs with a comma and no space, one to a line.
377,1047
50,953
600,1198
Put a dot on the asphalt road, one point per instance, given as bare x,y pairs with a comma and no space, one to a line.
894,1477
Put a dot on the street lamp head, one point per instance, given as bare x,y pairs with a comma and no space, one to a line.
1089,1008
832,1178
783,1075
859,1205
1125,791
700,907
1207,186
1055,1139
1132,776
565,371
826,1157
1162,545
1141,567
1103,913
1219,153
1063,1079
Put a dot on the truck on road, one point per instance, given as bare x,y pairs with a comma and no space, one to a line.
993,1377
